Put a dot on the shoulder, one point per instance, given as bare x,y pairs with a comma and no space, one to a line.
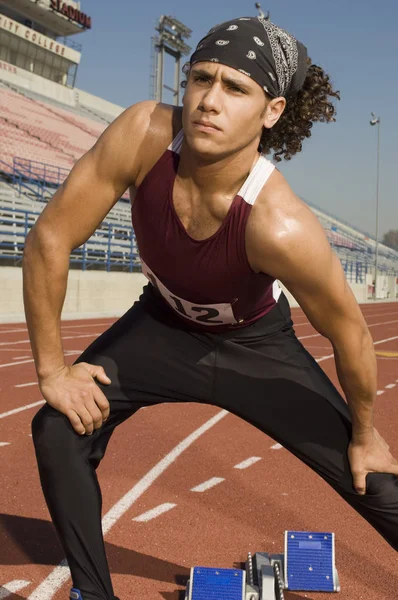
163,122
281,228
135,140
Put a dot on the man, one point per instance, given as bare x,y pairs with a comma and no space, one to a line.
216,225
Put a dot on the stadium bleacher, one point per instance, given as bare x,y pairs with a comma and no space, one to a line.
41,140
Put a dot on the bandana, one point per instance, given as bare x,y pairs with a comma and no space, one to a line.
259,49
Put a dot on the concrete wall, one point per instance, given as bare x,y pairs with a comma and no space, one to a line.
101,294
89,294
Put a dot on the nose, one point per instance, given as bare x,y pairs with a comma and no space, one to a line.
211,99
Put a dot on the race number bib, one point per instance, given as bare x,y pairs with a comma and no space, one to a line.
205,314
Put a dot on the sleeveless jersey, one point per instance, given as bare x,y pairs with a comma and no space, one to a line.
208,283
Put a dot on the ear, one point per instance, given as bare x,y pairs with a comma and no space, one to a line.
274,111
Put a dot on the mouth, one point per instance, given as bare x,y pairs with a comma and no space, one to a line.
205,126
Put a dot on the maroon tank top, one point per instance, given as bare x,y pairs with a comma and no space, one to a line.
209,283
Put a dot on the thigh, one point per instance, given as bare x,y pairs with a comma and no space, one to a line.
276,385
151,358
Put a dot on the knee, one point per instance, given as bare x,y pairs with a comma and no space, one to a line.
382,486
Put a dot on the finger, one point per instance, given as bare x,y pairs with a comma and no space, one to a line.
76,422
85,418
95,413
102,402
98,372
360,483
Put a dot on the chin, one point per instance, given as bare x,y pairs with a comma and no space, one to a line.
203,146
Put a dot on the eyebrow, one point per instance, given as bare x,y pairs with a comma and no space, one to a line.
227,80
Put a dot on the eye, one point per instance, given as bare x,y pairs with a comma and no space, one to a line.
200,78
237,89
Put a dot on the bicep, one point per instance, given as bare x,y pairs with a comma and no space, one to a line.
97,181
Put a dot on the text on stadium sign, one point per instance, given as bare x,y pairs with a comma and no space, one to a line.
71,12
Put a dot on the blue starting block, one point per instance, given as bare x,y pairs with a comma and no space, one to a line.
308,564
216,584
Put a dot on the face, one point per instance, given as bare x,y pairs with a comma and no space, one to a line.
225,111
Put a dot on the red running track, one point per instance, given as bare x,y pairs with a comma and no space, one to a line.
155,461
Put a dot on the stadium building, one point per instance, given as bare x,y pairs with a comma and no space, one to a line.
46,124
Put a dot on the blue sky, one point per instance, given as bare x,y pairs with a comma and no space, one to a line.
353,40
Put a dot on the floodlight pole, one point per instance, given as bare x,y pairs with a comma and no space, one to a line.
376,121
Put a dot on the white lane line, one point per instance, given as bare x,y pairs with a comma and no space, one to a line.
61,573
206,485
20,357
380,314
318,360
247,463
12,587
387,340
379,392
14,411
62,327
24,362
21,362
66,337
390,386
306,337
276,447
21,385
155,512
5,444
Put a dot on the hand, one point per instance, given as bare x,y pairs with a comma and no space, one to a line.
73,392
369,454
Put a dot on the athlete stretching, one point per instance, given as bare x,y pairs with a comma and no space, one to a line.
216,225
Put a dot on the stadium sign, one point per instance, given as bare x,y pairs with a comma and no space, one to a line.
72,13
38,39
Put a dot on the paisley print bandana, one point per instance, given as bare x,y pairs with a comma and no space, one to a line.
259,49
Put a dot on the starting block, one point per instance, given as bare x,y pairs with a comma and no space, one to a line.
308,564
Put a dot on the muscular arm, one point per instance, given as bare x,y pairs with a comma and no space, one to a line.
295,250
78,207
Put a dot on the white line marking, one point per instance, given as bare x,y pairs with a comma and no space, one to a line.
318,360
390,386
66,337
306,337
155,512
386,340
206,485
21,385
20,409
62,327
247,463
379,392
276,447
4,443
21,362
61,573
12,587
20,357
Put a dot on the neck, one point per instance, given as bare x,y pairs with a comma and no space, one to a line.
223,175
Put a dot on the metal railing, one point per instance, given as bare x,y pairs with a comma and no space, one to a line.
111,247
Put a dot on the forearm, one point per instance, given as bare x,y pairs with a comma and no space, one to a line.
357,372
45,275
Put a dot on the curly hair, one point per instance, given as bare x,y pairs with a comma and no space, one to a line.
310,104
